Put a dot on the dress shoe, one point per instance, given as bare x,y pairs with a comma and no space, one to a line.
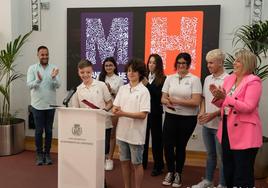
156,172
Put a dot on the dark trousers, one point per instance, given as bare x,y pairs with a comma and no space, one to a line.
107,140
43,120
238,164
176,133
154,125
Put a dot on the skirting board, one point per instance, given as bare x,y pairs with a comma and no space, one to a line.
193,158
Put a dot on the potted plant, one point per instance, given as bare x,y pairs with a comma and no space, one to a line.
11,128
255,38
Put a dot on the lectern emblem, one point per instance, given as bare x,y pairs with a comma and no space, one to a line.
77,130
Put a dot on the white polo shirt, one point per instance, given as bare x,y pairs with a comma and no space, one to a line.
182,88
115,82
209,107
136,99
97,93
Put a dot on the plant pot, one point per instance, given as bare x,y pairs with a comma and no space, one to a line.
12,137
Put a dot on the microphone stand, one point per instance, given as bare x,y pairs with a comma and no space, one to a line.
68,97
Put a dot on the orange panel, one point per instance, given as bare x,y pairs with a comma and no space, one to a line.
169,33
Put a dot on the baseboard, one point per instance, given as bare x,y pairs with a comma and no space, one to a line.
193,158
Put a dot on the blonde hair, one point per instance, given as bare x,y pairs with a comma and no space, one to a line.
215,55
248,59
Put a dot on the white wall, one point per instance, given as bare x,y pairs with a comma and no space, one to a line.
5,20
53,34
5,26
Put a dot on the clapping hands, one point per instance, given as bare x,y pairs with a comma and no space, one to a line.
39,76
54,73
217,92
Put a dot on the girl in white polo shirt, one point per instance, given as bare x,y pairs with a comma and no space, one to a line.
131,105
181,96
109,75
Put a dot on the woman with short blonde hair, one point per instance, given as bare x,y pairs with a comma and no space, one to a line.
249,60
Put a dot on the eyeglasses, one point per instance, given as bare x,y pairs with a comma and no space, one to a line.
181,63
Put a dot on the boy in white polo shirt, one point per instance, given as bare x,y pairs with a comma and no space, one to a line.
95,92
209,117
131,105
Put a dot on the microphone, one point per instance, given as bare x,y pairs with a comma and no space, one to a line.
54,105
69,96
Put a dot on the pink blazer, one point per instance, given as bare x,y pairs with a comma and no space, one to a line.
243,121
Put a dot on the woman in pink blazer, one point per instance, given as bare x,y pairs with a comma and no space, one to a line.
240,132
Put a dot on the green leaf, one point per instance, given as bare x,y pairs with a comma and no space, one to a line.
9,74
254,38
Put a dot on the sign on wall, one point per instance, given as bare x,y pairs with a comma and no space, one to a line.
106,35
169,33
97,33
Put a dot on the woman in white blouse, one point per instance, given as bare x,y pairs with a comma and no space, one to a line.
109,75
181,96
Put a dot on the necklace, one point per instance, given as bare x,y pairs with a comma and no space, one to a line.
232,90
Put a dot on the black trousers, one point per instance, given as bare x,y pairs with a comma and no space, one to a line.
154,125
238,164
107,140
177,131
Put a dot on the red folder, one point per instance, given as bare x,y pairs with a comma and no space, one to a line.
171,108
91,105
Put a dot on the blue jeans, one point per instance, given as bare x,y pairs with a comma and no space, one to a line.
130,152
214,151
43,120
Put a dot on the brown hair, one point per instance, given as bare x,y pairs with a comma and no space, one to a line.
185,56
159,70
103,73
137,65
84,63
41,47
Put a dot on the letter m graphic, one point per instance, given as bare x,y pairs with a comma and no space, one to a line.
116,44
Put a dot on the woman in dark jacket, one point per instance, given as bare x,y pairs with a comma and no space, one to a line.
154,83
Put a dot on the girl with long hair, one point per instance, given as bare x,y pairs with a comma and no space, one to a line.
109,75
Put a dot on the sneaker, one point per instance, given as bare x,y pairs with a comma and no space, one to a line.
39,159
168,179
221,186
48,160
177,180
203,184
109,164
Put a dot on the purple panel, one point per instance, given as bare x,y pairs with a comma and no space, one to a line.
104,35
